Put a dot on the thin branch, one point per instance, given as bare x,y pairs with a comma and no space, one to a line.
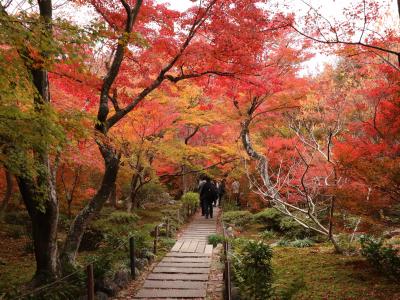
221,163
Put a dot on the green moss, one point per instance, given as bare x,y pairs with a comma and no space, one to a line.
270,218
329,276
240,218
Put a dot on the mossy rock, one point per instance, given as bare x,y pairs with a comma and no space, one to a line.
91,239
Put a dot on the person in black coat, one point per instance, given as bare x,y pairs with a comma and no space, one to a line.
221,191
208,195
199,189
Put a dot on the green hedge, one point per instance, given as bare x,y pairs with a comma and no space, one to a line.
239,218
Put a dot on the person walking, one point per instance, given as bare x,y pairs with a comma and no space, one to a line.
236,191
216,185
208,195
199,189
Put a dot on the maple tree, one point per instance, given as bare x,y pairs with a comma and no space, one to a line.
372,131
356,31
32,131
172,94
190,56
206,44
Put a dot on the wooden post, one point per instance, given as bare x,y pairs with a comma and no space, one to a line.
132,256
155,240
90,282
227,273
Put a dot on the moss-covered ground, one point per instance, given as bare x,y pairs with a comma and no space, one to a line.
318,273
17,263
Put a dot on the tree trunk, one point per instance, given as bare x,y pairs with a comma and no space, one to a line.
338,249
398,9
113,196
111,159
39,194
110,155
132,203
43,211
184,180
69,203
7,195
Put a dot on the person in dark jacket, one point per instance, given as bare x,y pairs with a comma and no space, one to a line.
208,195
199,189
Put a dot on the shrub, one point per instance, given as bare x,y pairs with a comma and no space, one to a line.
292,229
267,235
301,243
228,205
143,241
102,265
283,242
122,217
91,239
191,198
167,243
67,289
152,192
238,218
270,218
384,258
252,270
115,241
215,239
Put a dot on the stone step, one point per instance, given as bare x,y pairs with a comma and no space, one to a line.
170,293
208,249
175,284
187,259
185,264
177,246
180,254
184,270
178,276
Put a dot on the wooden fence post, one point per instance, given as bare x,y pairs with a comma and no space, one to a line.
132,256
155,240
90,282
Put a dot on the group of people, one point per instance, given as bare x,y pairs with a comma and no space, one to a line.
211,193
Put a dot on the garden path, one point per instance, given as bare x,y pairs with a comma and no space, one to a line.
183,273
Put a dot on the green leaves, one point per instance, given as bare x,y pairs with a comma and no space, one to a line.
252,269
384,258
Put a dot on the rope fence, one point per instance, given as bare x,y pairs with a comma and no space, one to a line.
184,212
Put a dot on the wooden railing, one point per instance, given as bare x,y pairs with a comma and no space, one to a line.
227,268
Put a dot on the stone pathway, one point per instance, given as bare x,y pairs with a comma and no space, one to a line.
183,273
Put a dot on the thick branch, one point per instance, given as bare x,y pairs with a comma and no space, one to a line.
196,129
162,74
116,64
221,163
